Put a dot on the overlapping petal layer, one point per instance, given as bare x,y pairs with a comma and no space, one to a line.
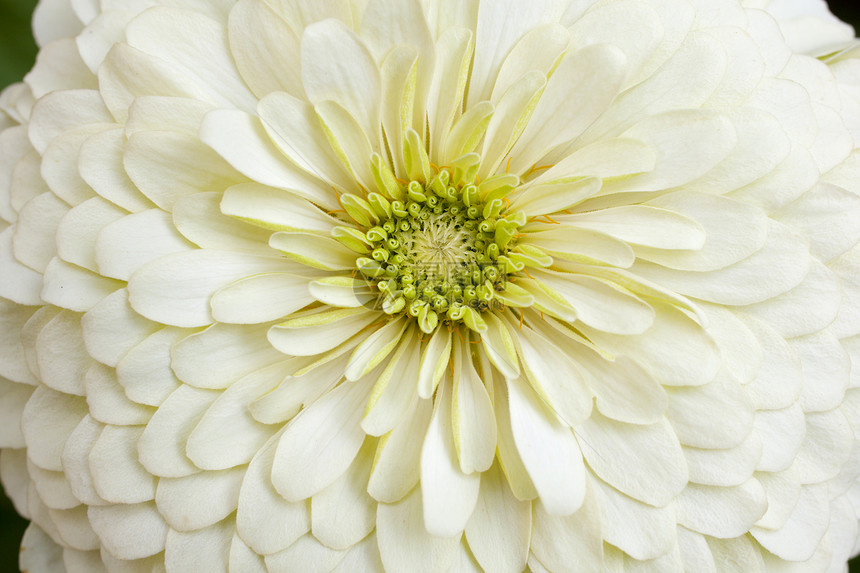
212,358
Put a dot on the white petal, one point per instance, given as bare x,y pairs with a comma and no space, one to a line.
243,558
310,335
683,82
453,53
61,354
176,289
548,449
779,380
59,112
145,373
559,541
826,370
500,527
260,298
374,349
394,393
556,196
274,209
692,360
509,457
641,531
166,166
343,513
434,360
722,512
728,467
240,139
733,231
111,328
695,552
118,476
207,548
75,460
297,390
633,27
363,556
265,520
385,25
716,415
742,355
221,354
13,317
784,255
581,246
39,552
313,452
294,127
538,50
799,537
52,20
128,243
643,225
129,75
302,13
53,489
34,242
348,140
197,46
600,304
162,445
499,346
60,164
343,291
449,496
499,26
509,118
337,66
73,287
107,401
610,448
782,433
49,417
762,141
228,435
826,446
405,545
396,467
592,76
252,28
473,423
306,554
198,217
809,307
20,284
129,531
555,376
199,500
14,397
624,390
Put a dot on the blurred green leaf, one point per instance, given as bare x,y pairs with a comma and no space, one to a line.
17,47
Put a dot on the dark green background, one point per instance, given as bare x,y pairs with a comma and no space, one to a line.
17,53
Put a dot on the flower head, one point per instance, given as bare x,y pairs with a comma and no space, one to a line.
429,286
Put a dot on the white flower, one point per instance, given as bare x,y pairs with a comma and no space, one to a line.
808,25
429,286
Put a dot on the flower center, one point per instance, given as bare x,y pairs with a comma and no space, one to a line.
438,252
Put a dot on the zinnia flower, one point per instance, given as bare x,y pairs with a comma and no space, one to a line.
391,285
